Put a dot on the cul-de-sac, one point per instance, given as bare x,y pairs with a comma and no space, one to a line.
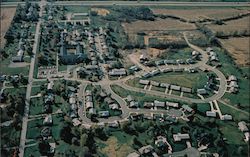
125,78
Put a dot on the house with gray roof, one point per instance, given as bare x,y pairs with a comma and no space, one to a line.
175,87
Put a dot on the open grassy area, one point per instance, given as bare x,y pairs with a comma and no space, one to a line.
141,97
237,116
9,136
35,90
230,68
191,80
36,106
184,53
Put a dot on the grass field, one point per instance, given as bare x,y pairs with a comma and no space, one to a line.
238,49
157,25
200,13
230,27
237,117
193,80
7,15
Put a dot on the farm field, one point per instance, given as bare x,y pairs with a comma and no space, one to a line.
241,24
6,18
200,14
238,49
157,25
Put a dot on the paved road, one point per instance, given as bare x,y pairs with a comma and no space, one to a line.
141,3
29,86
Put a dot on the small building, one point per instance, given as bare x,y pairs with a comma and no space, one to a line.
233,84
155,72
143,58
72,100
165,85
114,124
159,103
170,61
187,108
154,83
160,62
50,85
226,117
166,70
88,93
243,126
118,72
103,113
246,134
89,105
179,70
186,90
114,106
129,98
133,154
232,78
48,120
88,98
148,104
133,104
160,141
146,149
180,137
92,111
144,82
134,68
174,87
172,104
202,91
146,75
210,114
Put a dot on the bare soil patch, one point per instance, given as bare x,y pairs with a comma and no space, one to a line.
7,15
239,49
199,14
241,24
100,11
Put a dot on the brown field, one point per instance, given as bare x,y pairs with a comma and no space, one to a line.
196,14
6,18
239,49
231,26
157,25
102,12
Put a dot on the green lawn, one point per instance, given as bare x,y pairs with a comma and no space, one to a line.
9,136
237,115
141,97
191,80
34,128
62,67
36,106
35,90
16,91
184,53
230,68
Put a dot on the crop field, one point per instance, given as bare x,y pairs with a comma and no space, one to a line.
238,49
241,24
199,14
157,25
6,18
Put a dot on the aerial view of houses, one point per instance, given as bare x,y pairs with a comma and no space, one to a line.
125,78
